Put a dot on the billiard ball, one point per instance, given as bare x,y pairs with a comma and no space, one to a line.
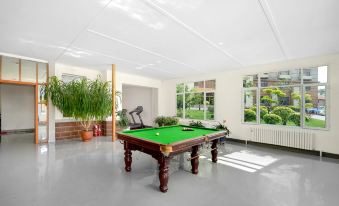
157,133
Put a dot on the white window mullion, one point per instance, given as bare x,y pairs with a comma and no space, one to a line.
205,110
258,99
302,107
184,103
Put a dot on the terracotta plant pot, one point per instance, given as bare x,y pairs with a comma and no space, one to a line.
86,135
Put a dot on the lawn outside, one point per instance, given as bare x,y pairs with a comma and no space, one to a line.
313,123
199,114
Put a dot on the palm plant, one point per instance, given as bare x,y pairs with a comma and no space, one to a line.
84,100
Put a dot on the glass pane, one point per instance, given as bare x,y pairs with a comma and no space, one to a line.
195,87
210,105
180,88
28,71
250,81
42,75
42,132
210,85
42,112
10,68
42,97
315,106
194,104
250,100
315,75
71,77
288,77
180,104
280,106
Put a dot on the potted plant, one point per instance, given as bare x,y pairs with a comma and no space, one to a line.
123,121
222,126
166,121
198,124
84,100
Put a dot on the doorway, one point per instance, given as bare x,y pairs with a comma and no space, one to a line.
17,111
147,97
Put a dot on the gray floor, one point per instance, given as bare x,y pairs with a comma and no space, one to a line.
76,173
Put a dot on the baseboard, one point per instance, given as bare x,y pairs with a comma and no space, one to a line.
290,149
18,131
235,140
330,155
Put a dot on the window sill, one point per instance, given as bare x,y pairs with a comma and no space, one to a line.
285,126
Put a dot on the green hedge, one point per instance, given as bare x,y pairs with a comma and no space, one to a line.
272,119
250,115
263,110
295,118
283,112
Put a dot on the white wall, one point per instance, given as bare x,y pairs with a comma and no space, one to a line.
17,107
135,80
229,97
134,96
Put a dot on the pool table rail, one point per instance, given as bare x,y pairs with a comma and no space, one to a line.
173,148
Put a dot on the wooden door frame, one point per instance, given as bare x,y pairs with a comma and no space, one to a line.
36,85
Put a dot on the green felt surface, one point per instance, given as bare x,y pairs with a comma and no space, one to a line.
169,135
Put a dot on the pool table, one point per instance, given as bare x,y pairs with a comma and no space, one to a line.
165,142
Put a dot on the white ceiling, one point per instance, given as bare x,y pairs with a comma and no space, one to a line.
169,38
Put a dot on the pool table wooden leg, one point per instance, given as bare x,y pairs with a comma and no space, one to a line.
214,151
195,160
128,157
163,173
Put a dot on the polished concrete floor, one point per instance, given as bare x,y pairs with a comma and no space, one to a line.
77,173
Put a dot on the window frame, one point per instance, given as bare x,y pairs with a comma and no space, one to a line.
302,87
204,99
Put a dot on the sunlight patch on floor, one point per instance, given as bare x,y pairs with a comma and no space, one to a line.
244,160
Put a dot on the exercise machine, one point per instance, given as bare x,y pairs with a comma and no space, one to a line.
137,111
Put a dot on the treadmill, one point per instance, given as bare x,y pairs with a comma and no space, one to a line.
136,125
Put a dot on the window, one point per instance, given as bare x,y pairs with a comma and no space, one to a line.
195,100
70,77
250,101
10,68
294,97
28,71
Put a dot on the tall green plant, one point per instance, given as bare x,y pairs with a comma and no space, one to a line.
84,100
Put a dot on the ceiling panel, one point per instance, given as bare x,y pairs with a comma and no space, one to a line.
169,38
41,28
124,53
100,63
137,23
239,27
96,60
307,27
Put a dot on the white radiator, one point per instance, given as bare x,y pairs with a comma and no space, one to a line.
296,138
